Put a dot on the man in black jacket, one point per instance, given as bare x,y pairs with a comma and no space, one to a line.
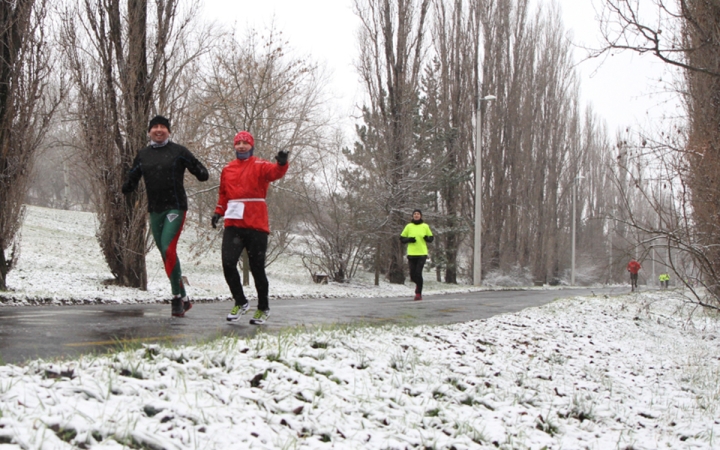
162,166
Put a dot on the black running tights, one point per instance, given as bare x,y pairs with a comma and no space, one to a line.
235,240
416,264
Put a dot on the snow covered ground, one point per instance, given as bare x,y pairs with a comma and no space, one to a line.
637,371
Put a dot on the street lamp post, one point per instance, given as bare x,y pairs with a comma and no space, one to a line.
477,248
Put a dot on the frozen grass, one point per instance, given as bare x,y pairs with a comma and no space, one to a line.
635,372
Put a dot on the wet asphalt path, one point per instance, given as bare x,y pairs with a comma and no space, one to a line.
55,332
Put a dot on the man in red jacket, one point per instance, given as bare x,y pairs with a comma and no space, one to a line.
244,184
633,267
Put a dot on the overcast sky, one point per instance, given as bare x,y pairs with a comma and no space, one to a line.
623,89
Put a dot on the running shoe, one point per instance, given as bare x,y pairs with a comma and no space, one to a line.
177,307
260,317
237,311
187,305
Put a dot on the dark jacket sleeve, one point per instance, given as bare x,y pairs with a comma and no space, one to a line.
196,167
133,176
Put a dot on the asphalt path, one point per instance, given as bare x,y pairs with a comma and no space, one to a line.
61,332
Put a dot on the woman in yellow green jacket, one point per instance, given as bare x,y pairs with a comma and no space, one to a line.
416,234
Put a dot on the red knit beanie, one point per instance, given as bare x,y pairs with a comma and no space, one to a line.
244,136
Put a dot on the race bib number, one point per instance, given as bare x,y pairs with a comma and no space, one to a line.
235,210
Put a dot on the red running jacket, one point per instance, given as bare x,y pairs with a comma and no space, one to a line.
633,266
243,188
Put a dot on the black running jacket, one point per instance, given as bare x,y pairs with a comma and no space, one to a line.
163,170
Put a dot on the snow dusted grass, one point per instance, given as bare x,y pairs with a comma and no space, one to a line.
633,372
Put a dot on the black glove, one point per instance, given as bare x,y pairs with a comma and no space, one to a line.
215,219
407,240
282,157
428,238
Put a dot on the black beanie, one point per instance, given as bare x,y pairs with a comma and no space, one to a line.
418,211
159,120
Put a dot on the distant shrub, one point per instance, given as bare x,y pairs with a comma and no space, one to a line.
517,276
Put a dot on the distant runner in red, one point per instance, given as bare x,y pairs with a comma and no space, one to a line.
633,267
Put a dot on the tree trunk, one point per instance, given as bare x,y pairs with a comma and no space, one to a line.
133,271
703,36
4,267
114,117
25,111
451,252
396,271
390,64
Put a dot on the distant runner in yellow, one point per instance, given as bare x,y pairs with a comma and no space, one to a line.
416,234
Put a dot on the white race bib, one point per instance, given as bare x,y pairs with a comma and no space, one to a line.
235,209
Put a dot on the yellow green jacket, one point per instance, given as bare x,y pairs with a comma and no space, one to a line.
419,232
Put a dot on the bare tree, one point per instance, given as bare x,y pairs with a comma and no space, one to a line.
392,50
536,143
684,34
255,83
60,178
447,117
334,242
26,107
118,78
671,30
533,149
654,215
702,41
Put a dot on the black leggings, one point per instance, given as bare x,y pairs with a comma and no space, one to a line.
633,279
234,241
416,264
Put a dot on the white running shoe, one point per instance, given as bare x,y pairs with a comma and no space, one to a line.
260,317
237,311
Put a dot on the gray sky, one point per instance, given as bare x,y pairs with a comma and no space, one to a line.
624,89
